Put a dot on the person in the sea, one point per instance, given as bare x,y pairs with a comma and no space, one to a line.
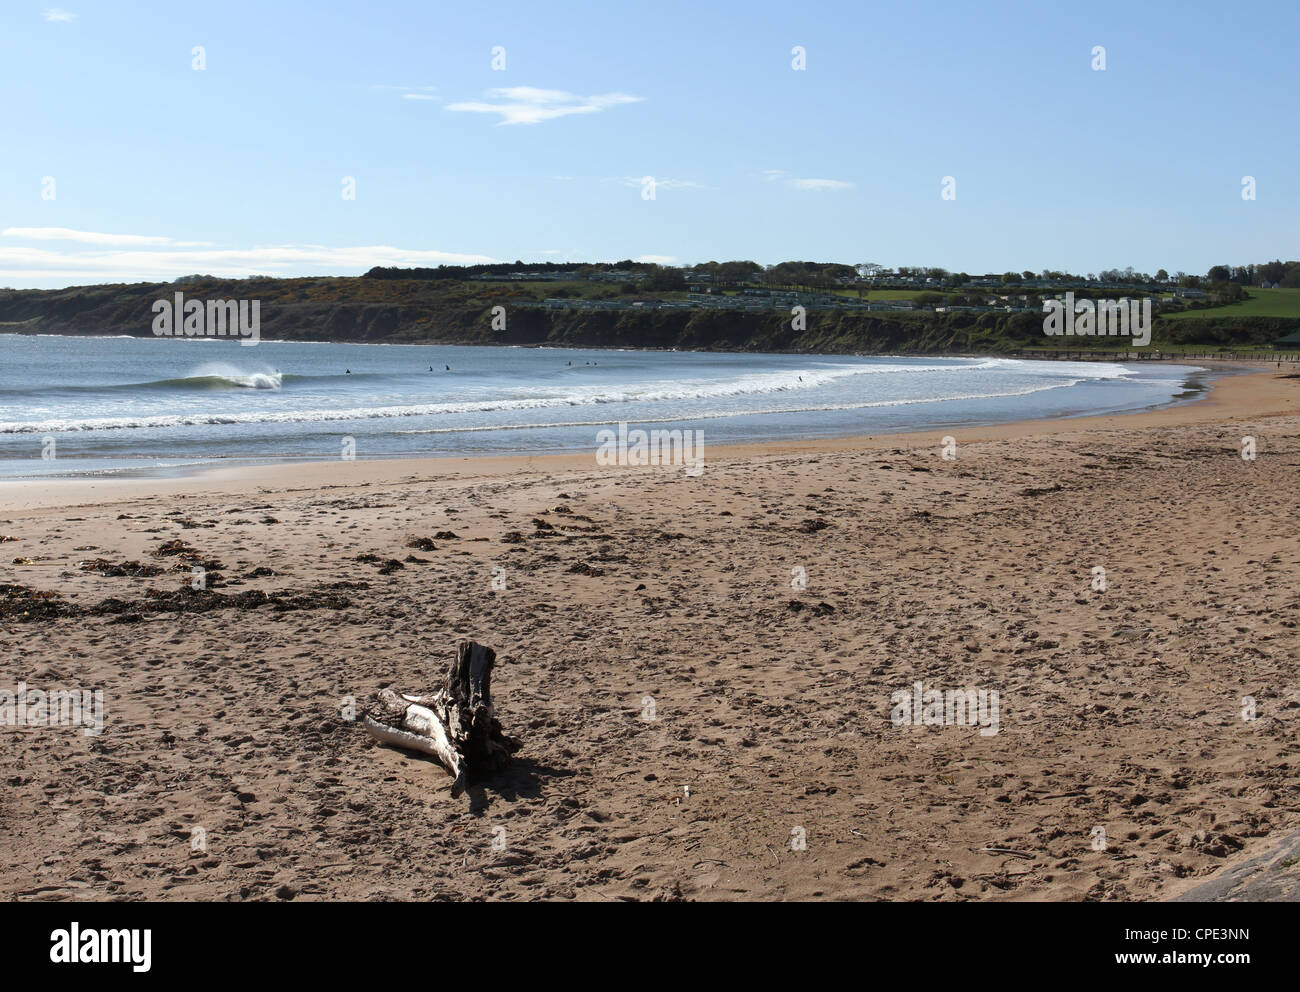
347,371
448,368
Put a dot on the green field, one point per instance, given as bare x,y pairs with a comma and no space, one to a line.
888,295
1263,303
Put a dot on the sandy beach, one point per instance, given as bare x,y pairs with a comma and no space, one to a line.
696,725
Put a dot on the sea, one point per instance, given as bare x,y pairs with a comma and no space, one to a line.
140,407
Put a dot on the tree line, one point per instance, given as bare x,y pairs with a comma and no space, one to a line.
825,275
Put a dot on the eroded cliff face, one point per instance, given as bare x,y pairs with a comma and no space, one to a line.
524,326
338,310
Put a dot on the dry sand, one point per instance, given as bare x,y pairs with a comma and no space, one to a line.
1119,709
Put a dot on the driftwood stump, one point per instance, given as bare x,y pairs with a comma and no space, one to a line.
456,724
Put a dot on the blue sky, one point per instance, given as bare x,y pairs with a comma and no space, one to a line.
160,169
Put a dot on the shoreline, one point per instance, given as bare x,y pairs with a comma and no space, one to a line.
1230,395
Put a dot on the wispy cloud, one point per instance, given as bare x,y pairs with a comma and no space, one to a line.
411,92
657,259
807,185
129,258
664,183
821,185
530,105
93,237
58,15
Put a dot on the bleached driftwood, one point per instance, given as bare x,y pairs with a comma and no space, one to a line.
457,724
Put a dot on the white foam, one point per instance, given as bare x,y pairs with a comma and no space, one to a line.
326,416
791,382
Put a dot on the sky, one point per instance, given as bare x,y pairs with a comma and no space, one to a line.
148,139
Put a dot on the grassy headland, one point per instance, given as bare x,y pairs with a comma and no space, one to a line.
460,311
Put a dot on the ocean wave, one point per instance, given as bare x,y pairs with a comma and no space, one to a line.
214,376
725,414
433,409
801,381
251,380
218,377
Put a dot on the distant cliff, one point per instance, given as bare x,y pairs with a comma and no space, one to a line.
446,312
